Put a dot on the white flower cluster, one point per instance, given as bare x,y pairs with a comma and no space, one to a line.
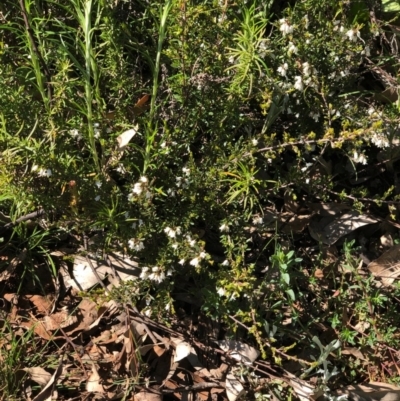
138,188
353,34
292,48
171,232
380,141
262,48
97,130
285,27
257,220
359,158
183,182
224,228
43,172
135,244
155,274
282,70
75,134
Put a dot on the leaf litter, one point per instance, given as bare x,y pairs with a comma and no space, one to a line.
110,350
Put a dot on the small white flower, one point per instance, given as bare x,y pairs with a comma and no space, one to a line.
144,273
225,262
352,34
224,228
221,292
231,60
359,158
254,142
34,167
262,49
143,179
98,184
157,275
194,262
182,262
298,84
170,272
137,188
186,171
366,51
202,255
192,242
97,198
135,244
175,245
96,125
282,70
292,48
257,220
120,169
314,116
170,232
97,133
307,69
285,27
75,133
380,141
45,172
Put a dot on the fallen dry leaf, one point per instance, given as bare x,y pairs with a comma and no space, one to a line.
47,393
387,266
328,232
353,351
182,351
234,389
93,383
125,138
147,395
38,375
240,351
373,391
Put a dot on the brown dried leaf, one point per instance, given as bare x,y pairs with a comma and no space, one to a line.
38,375
355,352
234,389
331,232
240,351
147,395
387,266
59,319
42,304
374,391
93,383
47,392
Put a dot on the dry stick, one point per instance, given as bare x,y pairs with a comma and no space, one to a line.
36,50
193,387
28,216
370,200
148,331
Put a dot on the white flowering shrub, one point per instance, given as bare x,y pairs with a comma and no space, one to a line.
235,105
